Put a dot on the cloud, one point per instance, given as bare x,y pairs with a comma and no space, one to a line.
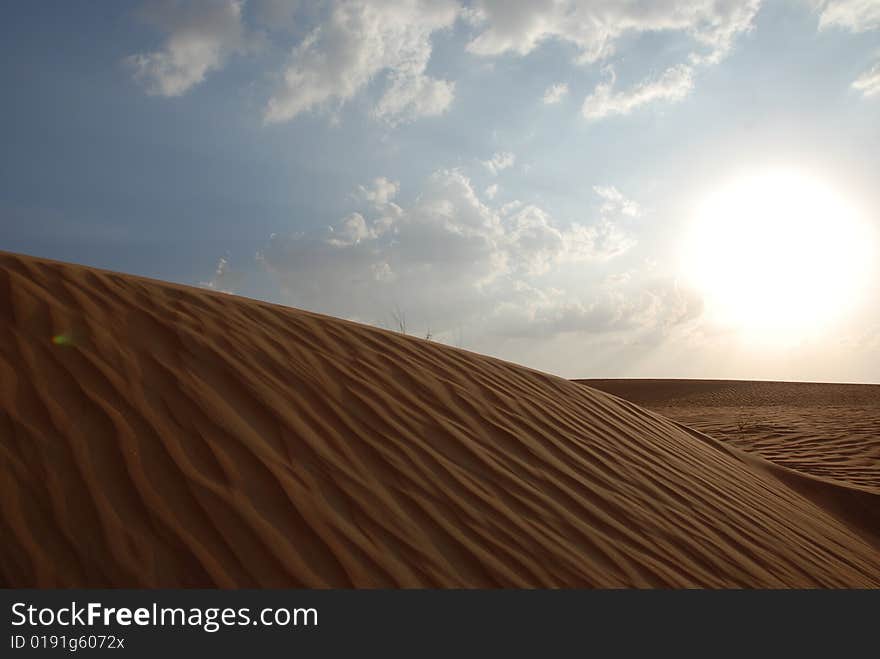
450,260
201,35
555,93
868,82
224,279
491,191
357,42
615,202
498,162
350,231
381,192
358,45
410,96
673,85
595,26
852,15
646,307
599,242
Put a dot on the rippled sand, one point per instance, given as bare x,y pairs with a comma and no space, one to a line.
156,435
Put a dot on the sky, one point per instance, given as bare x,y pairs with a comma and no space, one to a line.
523,179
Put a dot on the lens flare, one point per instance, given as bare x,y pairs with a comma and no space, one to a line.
62,340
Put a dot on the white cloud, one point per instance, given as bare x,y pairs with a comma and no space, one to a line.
380,192
450,260
645,306
598,242
869,82
595,26
500,161
555,93
409,96
350,231
615,202
673,85
852,15
201,35
224,279
491,191
359,41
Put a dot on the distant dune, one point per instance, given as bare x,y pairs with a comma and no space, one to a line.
159,435
827,430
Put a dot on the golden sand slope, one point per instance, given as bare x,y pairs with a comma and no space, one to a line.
831,431
171,436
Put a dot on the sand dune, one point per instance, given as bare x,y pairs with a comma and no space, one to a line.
160,435
827,430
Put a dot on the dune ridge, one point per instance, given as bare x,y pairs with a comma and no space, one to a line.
158,435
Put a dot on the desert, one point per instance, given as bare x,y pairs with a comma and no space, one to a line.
160,435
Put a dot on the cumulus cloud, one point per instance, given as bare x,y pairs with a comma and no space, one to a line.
410,96
868,83
555,93
350,231
380,192
595,26
353,43
648,307
499,161
615,202
357,42
672,85
852,15
450,259
200,36
356,45
491,191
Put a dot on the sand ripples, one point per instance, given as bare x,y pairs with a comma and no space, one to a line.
181,437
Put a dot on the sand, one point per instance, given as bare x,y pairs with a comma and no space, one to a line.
827,430
156,435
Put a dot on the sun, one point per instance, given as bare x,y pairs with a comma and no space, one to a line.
778,252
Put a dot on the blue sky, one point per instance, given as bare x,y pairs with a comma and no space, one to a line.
516,178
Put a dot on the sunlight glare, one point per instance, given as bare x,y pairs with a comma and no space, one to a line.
778,253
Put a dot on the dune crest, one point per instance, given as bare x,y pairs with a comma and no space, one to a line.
157,435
